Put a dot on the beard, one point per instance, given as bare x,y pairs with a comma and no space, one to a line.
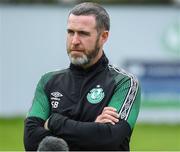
83,60
86,58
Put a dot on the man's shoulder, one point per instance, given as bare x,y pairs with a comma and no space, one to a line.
55,72
120,74
49,75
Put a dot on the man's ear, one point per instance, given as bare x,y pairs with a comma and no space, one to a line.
104,36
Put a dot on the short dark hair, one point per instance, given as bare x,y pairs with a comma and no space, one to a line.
88,8
51,143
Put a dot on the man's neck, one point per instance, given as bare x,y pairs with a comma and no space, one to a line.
94,61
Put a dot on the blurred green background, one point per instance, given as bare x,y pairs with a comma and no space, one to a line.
145,137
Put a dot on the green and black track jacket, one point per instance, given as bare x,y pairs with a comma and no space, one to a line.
74,97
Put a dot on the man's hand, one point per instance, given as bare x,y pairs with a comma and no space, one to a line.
46,125
108,115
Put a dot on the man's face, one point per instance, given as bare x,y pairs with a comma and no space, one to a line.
83,43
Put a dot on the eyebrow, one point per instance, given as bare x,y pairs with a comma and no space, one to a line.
80,31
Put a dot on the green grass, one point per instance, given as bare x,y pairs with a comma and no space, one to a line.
156,137
145,136
175,104
11,134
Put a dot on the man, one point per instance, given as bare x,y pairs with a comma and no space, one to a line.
91,105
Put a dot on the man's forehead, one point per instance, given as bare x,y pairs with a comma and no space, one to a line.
83,16
82,19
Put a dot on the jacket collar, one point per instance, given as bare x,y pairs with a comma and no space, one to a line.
99,65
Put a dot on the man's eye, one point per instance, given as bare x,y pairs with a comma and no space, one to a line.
70,32
84,33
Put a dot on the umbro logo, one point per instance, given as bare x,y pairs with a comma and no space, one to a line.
56,94
55,98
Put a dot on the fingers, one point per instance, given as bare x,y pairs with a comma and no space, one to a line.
46,125
109,108
107,121
111,112
108,115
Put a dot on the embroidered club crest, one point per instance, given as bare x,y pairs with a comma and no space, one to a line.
95,95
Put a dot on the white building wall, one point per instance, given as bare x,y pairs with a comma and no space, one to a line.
32,42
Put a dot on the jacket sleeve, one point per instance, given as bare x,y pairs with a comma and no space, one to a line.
34,130
127,99
90,135
98,136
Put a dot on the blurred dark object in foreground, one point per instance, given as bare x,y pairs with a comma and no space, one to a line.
51,143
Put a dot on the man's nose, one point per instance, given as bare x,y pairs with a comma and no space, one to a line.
75,39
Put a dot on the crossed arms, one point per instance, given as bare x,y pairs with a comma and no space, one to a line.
106,133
